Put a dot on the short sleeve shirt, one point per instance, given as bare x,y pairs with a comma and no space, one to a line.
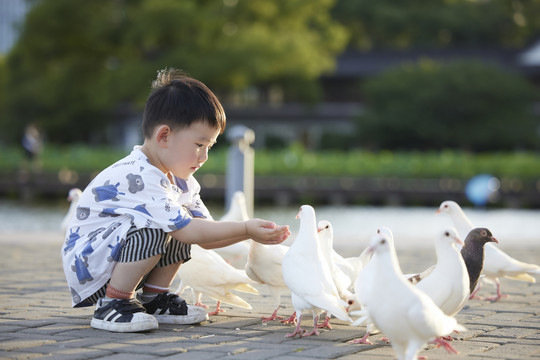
131,192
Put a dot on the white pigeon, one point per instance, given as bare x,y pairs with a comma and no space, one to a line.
236,254
363,286
448,284
402,312
264,266
341,280
73,197
307,276
497,263
351,266
208,273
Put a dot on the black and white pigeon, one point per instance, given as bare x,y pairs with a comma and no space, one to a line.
401,311
497,263
473,253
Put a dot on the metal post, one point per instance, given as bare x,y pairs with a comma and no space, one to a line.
240,165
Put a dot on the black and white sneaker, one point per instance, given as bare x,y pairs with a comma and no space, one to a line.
169,308
121,315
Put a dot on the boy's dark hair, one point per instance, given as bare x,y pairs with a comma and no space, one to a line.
178,101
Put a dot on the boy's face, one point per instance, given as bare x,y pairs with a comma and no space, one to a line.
187,149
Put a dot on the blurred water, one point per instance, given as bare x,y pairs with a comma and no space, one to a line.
353,225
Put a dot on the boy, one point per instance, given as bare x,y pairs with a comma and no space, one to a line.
136,220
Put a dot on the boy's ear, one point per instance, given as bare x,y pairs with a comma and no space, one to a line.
162,134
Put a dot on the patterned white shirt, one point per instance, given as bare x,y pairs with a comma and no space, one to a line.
131,192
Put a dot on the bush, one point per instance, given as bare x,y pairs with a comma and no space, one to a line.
460,105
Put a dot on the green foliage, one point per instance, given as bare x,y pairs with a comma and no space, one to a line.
69,76
361,163
401,24
463,105
296,161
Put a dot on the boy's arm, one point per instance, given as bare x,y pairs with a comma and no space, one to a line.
211,234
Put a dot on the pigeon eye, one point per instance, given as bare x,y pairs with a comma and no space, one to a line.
350,302
383,241
446,233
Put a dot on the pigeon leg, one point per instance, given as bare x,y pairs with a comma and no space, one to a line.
314,331
273,316
474,296
325,324
441,342
363,340
291,319
218,310
298,331
199,300
499,293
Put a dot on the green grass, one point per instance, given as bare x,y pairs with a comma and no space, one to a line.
297,161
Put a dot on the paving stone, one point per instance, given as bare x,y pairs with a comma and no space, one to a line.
46,326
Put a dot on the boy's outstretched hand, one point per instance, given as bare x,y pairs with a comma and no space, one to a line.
267,232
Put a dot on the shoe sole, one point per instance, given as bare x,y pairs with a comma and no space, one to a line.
182,319
124,327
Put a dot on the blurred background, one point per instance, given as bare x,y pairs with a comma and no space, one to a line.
352,102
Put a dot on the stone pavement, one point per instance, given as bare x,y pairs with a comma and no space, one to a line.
37,321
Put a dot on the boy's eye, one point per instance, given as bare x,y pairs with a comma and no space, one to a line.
199,145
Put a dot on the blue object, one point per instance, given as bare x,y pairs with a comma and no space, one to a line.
481,188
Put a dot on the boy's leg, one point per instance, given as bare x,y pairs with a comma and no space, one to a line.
163,276
167,307
127,275
118,311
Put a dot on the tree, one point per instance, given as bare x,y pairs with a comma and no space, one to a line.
402,24
464,105
69,75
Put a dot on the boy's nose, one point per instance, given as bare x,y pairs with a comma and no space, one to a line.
203,156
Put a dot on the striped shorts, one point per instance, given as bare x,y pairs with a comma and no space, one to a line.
142,244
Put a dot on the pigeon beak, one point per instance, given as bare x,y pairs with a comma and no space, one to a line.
298,215
319,230
458,240
370,250
438,211
494,240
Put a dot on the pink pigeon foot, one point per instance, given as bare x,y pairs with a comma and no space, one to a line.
200,304
291,319
218,310
474,296
325,324
441,342
362,340
273,316
499,294
314,331
298,331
